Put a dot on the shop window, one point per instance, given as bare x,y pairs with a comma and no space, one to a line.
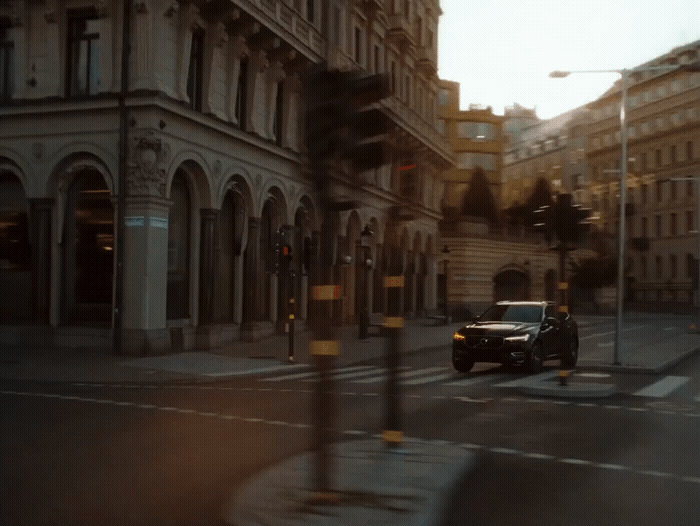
83,57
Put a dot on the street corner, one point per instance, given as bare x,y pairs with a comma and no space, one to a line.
376,485
569,384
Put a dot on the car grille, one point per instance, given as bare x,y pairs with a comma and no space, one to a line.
485,342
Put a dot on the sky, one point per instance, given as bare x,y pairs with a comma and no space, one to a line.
501,52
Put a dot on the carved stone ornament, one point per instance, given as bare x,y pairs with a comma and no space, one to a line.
146,174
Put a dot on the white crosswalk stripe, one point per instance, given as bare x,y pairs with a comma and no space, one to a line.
472,380
663,387
405,374
429,379
546,375
299,376
369,370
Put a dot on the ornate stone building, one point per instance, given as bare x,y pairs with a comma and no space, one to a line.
663,146
215,165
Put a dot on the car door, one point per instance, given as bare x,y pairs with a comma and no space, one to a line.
550,331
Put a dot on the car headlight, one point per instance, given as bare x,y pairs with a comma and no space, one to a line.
458,337
520,338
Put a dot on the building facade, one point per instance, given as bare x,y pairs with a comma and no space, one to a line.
663,174
215,167
475,137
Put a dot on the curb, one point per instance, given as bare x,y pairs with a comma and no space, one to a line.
638,369
572,390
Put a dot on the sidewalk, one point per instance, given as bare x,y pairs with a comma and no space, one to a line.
238,359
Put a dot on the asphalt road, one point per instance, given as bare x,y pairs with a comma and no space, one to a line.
144,455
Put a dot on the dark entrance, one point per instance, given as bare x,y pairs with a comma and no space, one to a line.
511,285
88,251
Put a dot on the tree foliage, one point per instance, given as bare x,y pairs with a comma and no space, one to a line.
478,200
541,195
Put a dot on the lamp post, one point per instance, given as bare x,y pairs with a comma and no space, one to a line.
366,263
446,252
624,73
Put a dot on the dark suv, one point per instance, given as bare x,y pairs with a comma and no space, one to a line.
517,333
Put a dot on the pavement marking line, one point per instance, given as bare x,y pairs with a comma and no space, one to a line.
546,375
405,374
575,461
612,466
466,382
309,374
259,370
367,371
434,378
611,332
663,387
539,456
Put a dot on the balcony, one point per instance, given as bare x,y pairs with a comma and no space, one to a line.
399,31
427,63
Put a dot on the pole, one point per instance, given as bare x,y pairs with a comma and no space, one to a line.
290,356
393,325
621,228
121,192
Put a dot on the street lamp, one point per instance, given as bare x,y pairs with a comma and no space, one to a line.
624,73
365,237
446,252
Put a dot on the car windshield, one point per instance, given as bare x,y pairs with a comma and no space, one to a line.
521,313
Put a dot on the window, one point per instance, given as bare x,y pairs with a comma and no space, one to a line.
644,193
407,92
83,64
441,126
475,130
672,225
310,11
393,77
469,160
673,190
689,221
443,97
658,157
659,191
643,266
242,94
358,44
657,222
689,189
673,154
659,267
195,71
643,161
689,151
279,108
673,265
645,227
7,64
377,64
689,265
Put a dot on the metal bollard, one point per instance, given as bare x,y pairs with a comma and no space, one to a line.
291,330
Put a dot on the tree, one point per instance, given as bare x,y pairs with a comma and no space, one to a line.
478,200
541,195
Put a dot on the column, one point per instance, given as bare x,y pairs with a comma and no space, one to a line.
40,239
252,264
207,265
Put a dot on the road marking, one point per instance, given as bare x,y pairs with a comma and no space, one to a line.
478,379
634,328
367,370
612,466
534,378
259,370
663,387
309,374
434,378
669,328
593,375
405,374
575,461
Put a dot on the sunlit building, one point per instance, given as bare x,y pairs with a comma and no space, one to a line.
214,168
663,171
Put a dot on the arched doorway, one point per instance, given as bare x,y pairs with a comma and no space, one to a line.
15,251
269,227
232,220
88,251
510,284
179,226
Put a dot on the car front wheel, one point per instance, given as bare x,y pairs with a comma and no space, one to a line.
536,358
463,365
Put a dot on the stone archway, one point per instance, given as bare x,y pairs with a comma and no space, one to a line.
87,251
511,284
15,251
